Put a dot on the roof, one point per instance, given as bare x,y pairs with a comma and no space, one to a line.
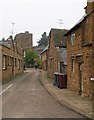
58,36
76,25
45,49
38,49
5,43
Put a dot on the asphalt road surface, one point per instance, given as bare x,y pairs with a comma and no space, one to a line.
26,97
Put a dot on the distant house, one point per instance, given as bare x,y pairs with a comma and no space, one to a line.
44,58
38,49
12,59
57,60
80,53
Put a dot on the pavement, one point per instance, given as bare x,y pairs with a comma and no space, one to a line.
68,98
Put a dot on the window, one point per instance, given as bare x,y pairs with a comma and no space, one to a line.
18,64
15,62
21,63
72,65
72,39
62,67
4,62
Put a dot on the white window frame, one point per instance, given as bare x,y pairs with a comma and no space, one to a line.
72,38
4,62
72,65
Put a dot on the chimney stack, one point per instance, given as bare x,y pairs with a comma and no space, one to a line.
90,6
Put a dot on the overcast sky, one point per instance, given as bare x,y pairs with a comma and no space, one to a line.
38,16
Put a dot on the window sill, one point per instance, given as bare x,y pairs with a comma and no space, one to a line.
92,79
4,69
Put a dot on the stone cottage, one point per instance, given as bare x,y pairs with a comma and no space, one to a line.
57,52
12,58
44,58
80,56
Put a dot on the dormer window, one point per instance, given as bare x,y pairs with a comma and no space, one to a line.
72,39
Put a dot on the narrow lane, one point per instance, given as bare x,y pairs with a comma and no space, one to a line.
27,98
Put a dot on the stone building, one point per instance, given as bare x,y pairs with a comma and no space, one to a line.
44,58
38,49
12,59
56,52
80,58
24,40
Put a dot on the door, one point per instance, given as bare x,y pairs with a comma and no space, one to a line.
12,64
80,80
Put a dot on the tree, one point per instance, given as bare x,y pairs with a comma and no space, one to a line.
3,39
39,61
30,57
44,40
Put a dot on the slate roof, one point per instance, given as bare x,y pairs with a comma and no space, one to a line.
58,36
5,43
45,49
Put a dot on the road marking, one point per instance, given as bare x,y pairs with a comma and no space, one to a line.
6,89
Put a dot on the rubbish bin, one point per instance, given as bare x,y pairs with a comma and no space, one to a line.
56,79
62,81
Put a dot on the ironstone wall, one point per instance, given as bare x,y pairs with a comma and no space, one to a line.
93,65
93,99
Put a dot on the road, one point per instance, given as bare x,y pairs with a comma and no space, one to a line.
26,97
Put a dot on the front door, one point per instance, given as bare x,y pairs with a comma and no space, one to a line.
80,80
12,64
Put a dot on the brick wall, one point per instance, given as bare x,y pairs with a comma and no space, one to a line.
44,60
93,43
80,55
56,55
11,55
52,58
